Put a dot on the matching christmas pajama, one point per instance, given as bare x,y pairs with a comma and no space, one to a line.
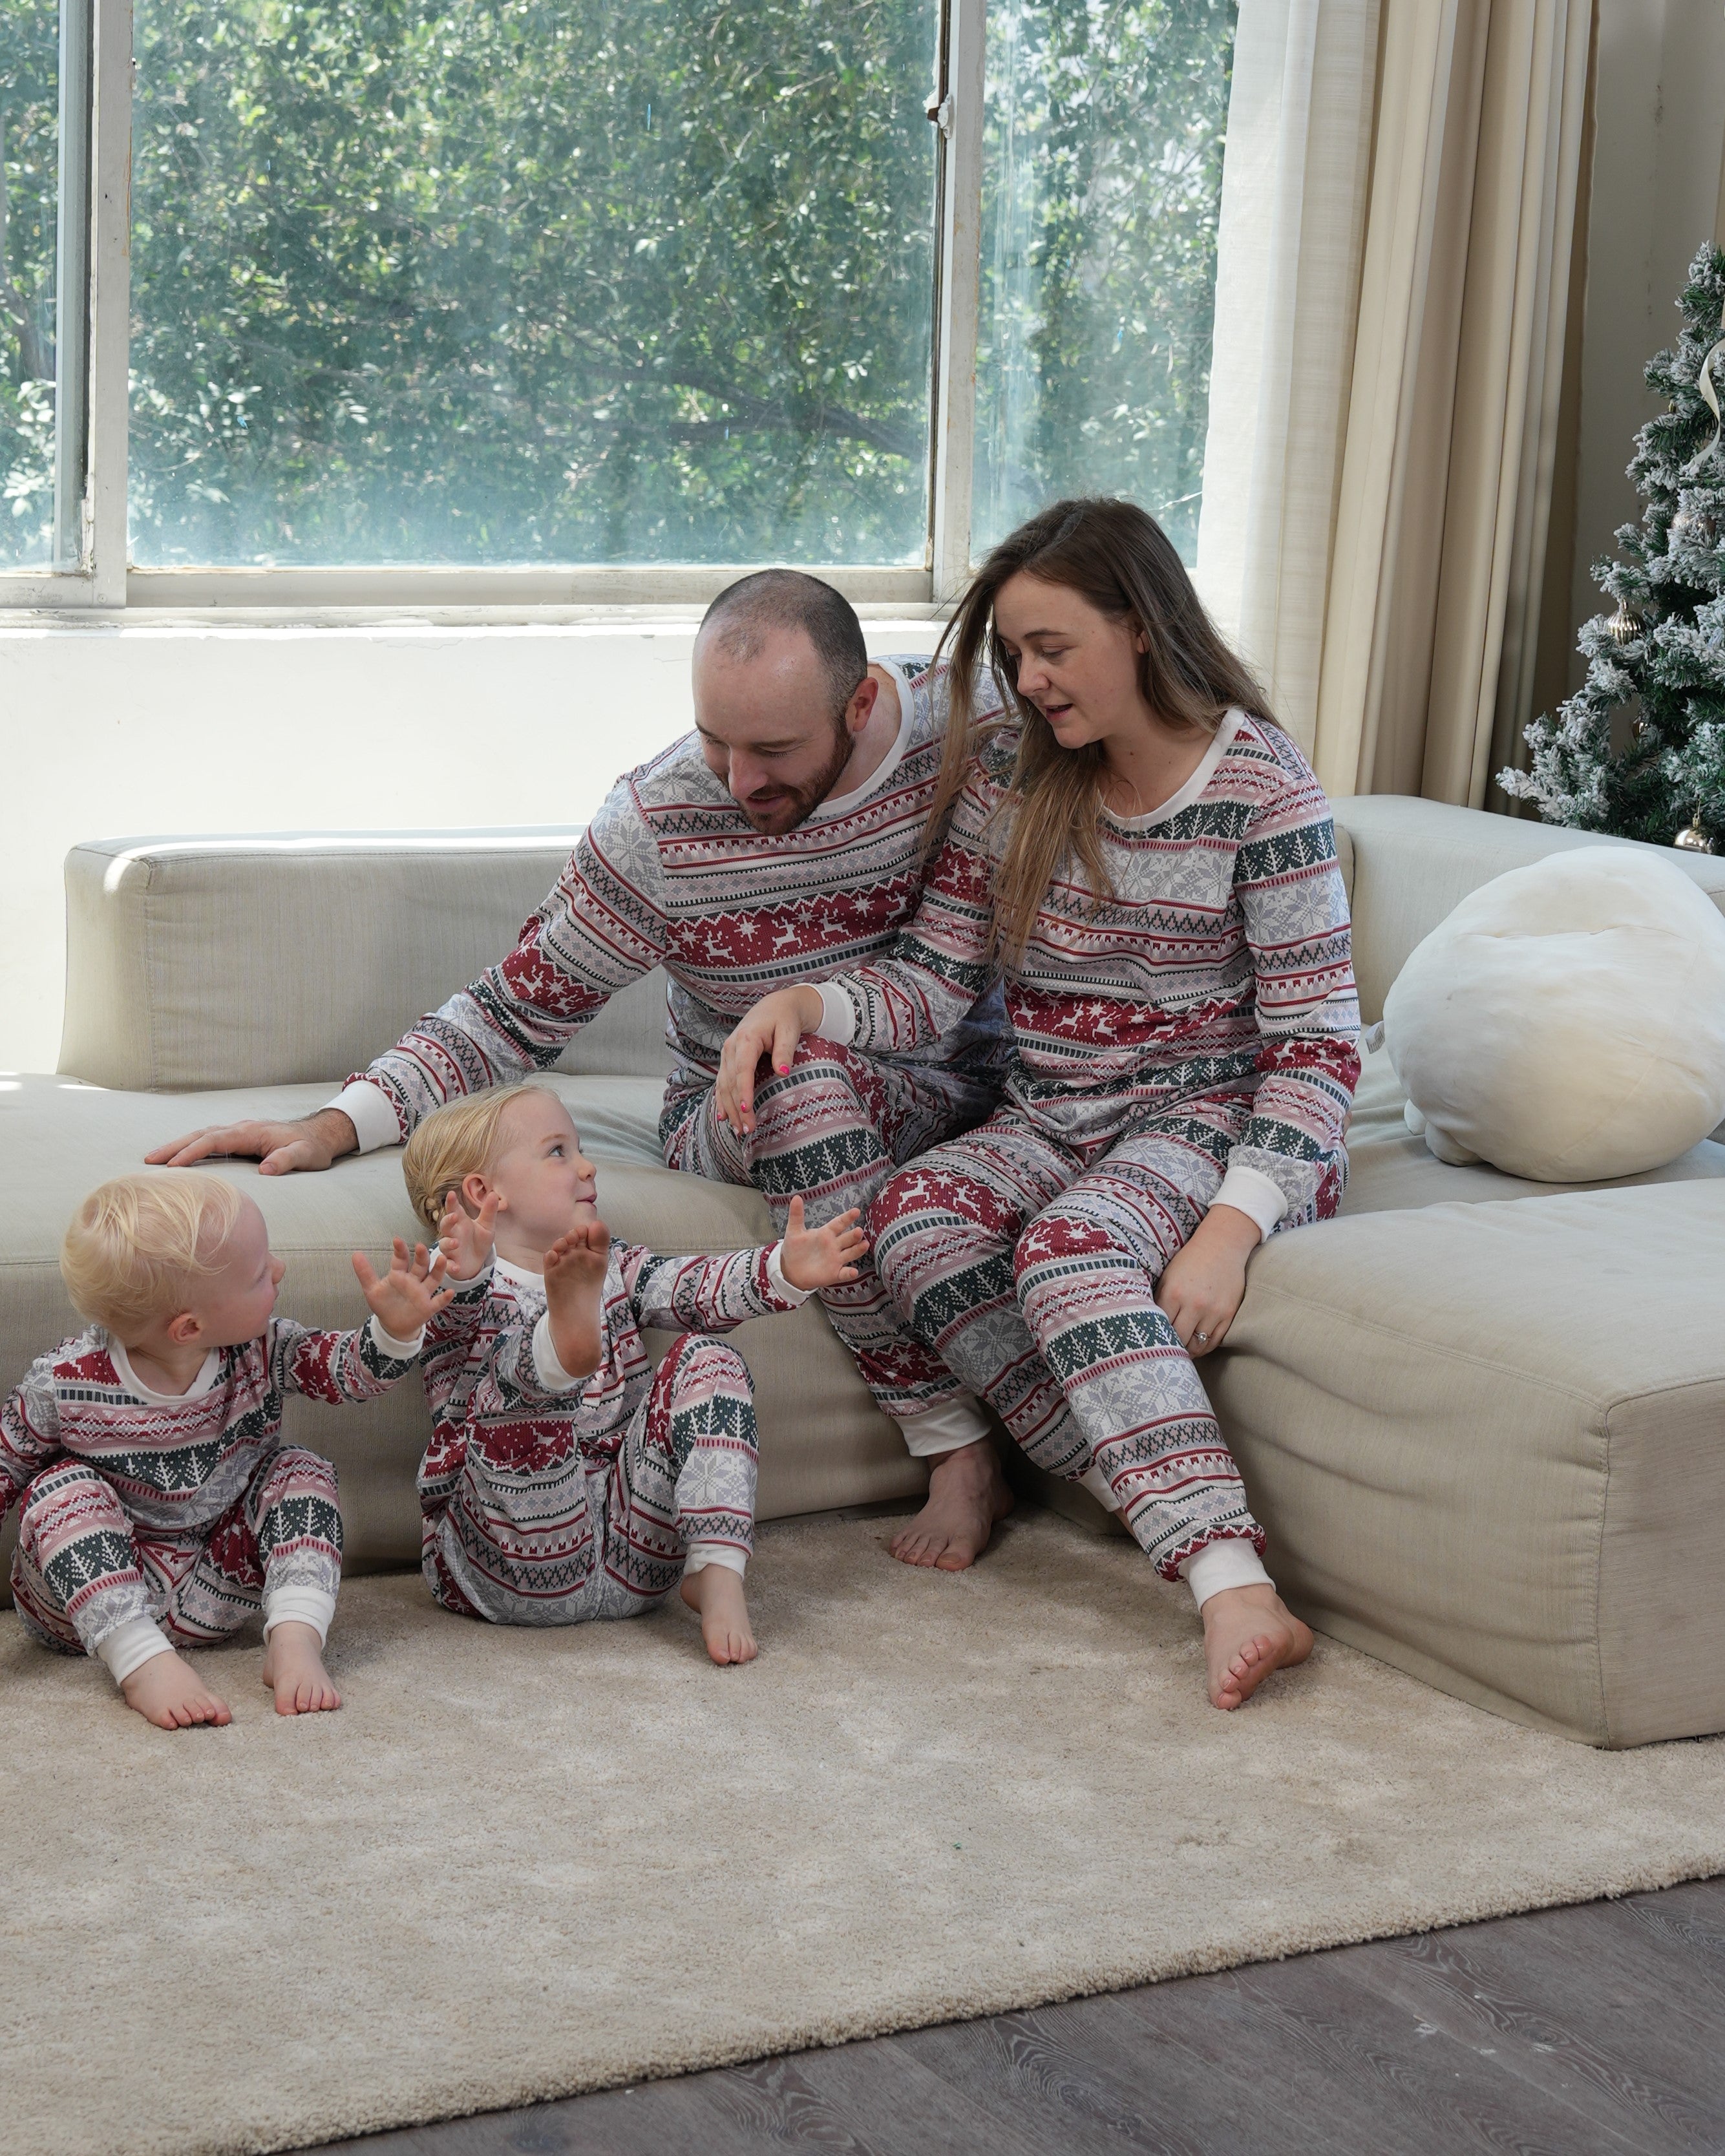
671,873
148,1522
553,1501
1186,1038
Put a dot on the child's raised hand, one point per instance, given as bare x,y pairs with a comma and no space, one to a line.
410,1294
821,1257
464,1238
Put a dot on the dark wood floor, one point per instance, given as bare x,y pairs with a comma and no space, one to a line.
1566,2032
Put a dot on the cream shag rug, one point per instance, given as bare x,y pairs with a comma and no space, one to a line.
518,1865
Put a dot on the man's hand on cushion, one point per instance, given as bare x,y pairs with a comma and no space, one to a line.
278,1148
772,1029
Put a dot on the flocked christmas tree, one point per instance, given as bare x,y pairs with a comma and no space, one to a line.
1656,663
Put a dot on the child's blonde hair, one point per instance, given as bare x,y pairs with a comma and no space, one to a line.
137,1244
455,1141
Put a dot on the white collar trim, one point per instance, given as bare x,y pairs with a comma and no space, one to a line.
1206,771
134,1384
841,804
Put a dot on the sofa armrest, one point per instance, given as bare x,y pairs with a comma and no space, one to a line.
199,963
1414,861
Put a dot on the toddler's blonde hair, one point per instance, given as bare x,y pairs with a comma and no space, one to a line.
137,1244
455,1141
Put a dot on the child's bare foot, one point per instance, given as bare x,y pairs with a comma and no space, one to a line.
967,1496
293,1669
716,1592
575,1268
1248,1632
168,1691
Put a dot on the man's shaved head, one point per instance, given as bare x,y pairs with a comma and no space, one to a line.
746,616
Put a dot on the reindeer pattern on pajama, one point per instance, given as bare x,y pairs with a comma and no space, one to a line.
1185,1038
549,1502
188,1512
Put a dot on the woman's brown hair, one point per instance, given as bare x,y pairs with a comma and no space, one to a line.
1122,561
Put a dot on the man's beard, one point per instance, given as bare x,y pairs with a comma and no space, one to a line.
788,806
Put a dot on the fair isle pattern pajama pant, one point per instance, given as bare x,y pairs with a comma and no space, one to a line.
1031,1270
830,1131
541,1532
83,1567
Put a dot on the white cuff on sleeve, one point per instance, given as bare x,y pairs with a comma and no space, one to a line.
128,1646
298,1605
1220,1565
778,1282
386,1343
1253,1193
702,1554
551,1373
838,1015
369,1109
1097,1484
944,1428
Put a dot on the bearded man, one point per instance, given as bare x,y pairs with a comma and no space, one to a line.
784,840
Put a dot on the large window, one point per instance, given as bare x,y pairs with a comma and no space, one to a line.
555,299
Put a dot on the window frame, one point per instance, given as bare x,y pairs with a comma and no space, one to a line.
92,572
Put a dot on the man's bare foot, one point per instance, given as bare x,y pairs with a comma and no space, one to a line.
715,1594
966,1494
293,1669
1248,1632
168,1691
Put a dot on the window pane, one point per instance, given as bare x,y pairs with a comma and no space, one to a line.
29,195
494,281
1103,179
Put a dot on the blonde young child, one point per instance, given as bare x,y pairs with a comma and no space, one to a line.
158,1506
567,1479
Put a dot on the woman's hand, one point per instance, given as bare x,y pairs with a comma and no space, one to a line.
820,1257
1204,1283
464,1238
772,1030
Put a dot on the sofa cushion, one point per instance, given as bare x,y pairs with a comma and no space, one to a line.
264,961
1487,1440
1389,1168
823,1441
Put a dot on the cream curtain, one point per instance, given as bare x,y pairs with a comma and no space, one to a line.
1294,189
1435,578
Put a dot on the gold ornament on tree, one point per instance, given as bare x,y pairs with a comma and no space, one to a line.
1694,840
1625,623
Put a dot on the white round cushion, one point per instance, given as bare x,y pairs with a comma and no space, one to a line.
1567,1022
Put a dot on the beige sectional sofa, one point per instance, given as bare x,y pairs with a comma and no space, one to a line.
1483,1420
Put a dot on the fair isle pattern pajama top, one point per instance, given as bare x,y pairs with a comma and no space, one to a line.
550,1501
185,1512
1189,1039
671,873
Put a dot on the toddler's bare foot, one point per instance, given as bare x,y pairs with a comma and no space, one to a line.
1248,1632
168,1691
293,1671
716,1592
966,1494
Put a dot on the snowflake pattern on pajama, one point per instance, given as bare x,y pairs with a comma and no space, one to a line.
553,1507
186,1512
671,873
1190,1038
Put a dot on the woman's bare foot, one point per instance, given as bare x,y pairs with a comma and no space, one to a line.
1248,1632
168,1691
967,1496
715,1594
293,1669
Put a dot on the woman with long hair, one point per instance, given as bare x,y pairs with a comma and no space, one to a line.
1145,855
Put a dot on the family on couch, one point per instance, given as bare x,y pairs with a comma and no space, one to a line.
1046,946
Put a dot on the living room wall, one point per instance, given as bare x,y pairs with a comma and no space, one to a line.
135,730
